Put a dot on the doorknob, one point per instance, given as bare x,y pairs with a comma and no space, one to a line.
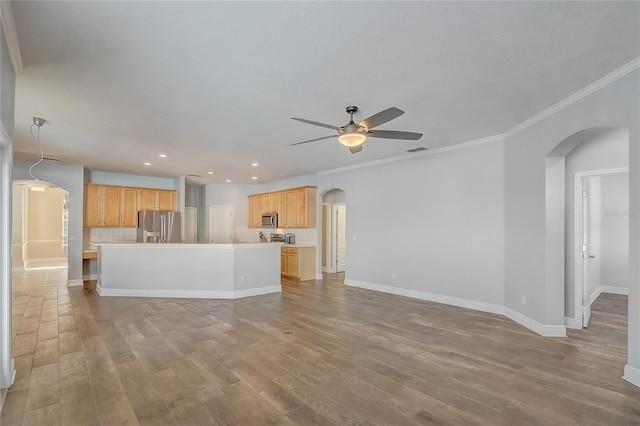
592,256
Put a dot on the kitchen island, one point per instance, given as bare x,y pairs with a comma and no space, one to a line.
212,271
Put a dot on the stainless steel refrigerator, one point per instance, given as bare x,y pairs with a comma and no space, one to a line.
158,227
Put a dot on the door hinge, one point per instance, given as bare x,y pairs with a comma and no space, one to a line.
584,194
584,302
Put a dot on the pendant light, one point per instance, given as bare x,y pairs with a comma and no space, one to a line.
37,122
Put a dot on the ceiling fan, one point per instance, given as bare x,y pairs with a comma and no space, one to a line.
353,135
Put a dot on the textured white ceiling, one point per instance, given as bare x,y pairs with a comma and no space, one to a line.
214,84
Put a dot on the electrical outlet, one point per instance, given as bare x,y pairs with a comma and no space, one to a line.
524,300
394,276
242,278
354,238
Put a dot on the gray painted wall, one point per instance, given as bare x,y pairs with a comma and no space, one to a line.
436,221
192,195
123,179
615,230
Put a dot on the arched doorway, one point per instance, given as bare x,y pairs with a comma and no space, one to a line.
333,233
594,151
40,225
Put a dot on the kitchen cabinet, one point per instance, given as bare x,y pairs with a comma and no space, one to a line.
281,199
116,206
298,263
156,199
92,205
102,206
252,212
129,205
301,207
296,207
265,204
166,200
109,206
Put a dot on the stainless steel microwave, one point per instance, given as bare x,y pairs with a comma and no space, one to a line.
269,220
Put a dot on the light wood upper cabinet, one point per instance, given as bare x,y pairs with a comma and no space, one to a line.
92,205
296,207
166,200
291,211
111,207
282,209
251,213
156,199
273,202
129,203
115,206
147,199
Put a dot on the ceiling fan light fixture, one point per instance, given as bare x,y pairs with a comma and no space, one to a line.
352,139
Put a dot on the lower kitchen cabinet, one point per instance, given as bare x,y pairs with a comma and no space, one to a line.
298,263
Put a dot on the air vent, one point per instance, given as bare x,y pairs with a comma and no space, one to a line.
194,175
420,148
50,159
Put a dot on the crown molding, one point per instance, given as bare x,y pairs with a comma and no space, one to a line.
581,94
12,37
463,145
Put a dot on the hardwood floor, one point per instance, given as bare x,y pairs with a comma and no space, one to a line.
319,353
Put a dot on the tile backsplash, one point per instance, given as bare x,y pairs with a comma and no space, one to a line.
250,235
111,235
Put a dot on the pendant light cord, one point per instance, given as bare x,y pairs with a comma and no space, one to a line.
36,138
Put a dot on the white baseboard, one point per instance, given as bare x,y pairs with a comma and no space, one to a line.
614,289
91,277
318,276
573,323
607,289
533,325
595,295
187,294
5,390
74,283
632,375
37,263
422,295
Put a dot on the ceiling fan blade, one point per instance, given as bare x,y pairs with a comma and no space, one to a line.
313,140
355,149
315,123
392,134
381,117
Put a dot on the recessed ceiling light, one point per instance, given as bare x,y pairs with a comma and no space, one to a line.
255,178
254,164
210,173
162,155
146,163
228,180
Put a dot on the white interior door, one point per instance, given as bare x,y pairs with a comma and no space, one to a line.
191,225
592,242
220,224
586,306
341,248
326,240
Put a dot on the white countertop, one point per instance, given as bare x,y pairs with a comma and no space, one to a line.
94,245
